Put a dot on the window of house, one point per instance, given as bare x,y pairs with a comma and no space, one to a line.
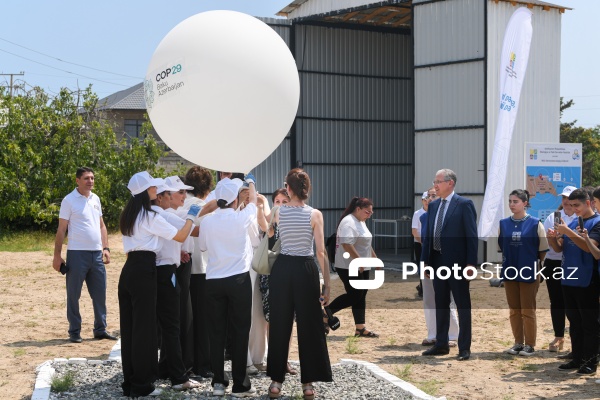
133,127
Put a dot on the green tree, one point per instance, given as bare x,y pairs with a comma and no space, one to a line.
590,143
46,140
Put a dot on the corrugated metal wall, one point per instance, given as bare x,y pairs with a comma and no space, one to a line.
449,38
449,92
354,126
353,131
538,119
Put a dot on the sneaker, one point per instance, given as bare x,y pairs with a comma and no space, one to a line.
571,365
527,351
248,393
219,389
251,370
190,384
156,392
515,349
586,370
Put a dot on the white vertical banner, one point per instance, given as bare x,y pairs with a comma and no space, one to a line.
513,65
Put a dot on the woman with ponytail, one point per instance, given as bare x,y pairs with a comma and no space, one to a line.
354,238
142,228
522,240
294,288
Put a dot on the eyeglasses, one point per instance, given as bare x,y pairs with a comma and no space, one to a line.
369,212
439,182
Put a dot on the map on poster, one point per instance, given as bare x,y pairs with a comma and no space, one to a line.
549,168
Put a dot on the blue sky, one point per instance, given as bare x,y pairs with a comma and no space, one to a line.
120,37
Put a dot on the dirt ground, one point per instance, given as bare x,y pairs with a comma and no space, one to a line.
34,329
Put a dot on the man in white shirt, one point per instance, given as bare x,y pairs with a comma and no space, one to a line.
87,252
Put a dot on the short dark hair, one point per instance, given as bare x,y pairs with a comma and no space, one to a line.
83,170
278,192
579,194
596,193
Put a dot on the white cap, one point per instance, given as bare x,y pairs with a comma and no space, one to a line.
176,183
568,190
164,187
227,189
425,195
141,181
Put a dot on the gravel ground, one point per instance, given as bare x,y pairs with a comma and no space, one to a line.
351,382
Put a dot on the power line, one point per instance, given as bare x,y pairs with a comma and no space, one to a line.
64,70
69,62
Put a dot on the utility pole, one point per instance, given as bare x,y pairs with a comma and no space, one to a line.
11,80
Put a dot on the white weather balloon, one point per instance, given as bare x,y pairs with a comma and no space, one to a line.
222,90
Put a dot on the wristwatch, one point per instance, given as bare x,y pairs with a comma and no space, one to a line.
107,249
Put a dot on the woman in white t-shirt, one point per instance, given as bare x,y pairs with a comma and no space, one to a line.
141,228
354,238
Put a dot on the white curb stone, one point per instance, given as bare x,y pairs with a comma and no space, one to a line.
383,375
77,360
41,390
115,353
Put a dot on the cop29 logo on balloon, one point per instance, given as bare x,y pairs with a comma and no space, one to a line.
222,90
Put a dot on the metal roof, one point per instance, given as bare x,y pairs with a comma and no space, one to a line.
128,99
390,13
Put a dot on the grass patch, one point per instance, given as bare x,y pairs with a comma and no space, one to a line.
31,324
27,241
62,383
431,386
506,343
529,367
404,372
352,345
391,341
19,352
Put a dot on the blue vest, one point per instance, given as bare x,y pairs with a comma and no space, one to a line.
578,265
520,243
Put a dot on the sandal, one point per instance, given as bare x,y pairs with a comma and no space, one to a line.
290,370
275,385
325,322
308,388
364,333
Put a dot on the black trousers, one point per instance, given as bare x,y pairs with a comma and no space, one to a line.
460,290
200,324
581,307
167,310
355,298
183,274
294,287
137,309
555,293
230,312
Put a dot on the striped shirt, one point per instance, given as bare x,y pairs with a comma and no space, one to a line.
295,231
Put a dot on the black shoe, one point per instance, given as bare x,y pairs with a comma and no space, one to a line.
437,351
105,335
75,339
464,355
201,374
568,356
585,370
570,366
419,290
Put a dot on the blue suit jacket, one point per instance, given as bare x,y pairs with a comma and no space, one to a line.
459,233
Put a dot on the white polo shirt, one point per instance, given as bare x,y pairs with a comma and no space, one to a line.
83,214
224,236
170,251
416,221
549,223
146,233
199,258
181,212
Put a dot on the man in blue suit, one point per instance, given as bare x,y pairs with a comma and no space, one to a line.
450,237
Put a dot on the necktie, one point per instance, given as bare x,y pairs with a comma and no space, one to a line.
437,235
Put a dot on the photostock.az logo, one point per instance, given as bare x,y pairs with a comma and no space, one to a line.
362,284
